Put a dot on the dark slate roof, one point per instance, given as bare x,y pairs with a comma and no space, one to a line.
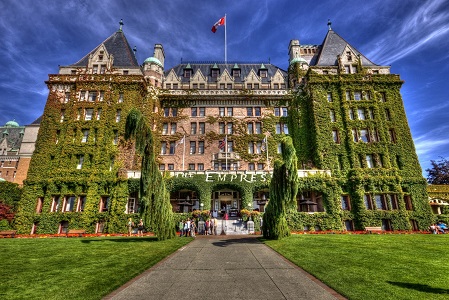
118,46
245,68
13,136
334,45
37,121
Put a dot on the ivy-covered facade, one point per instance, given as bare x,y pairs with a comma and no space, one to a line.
217,127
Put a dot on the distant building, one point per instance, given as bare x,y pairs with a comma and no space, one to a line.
218,127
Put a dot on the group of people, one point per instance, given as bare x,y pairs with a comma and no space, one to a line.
131,226
189,227
439,227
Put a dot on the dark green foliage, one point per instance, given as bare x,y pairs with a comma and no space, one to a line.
439,173
156,209
283,190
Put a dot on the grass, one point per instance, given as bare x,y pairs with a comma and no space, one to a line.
374,266
76,268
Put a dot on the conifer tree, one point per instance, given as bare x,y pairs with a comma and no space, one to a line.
283,190
156,210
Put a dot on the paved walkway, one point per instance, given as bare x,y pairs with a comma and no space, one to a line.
224,267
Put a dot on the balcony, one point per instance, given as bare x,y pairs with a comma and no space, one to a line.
222,156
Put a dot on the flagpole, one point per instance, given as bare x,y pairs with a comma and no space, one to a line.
183,151
226,151
226,54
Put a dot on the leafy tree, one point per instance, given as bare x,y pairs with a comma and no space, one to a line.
439,173
156,210
283,190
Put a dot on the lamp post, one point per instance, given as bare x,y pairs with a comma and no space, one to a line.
250,208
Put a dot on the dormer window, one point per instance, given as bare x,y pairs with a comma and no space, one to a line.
187,73
263,73
103,69
215,73
100,57
349,56
236,73
94,69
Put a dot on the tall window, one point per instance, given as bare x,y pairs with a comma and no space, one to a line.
55,204
202,129
369,161
361,113
345,203
277,111
284,111
192,128
251,148
221,128
230,128
221,111
329,97
165,128
368,201
118,115
164,148
380,202
357,95
98,114
335,136
257,111
249,111
80,162
392,135
332,115
88,114
202,111
258,128
92,96
69,203
173,128
104,203
229,111
193,112
85,136
131,207
192,147
201,147
172,148
81,203
387,114
250,128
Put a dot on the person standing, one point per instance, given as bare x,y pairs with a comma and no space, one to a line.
207,227
192,228
130,226
187,227
140,228
181,228
215,226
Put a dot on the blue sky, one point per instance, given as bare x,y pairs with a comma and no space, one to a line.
410,35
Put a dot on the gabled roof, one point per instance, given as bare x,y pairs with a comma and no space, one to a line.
118,46
205,68
334,45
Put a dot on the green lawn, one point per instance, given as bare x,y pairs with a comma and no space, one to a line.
371,266
76,268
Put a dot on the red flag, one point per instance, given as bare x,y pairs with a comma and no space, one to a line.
220,22
222,144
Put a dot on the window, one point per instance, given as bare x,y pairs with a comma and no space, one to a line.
82,95
258,128
193,128
380,202
361,113
94,69
366,95
348,95
229,86
277,111
357,95
104,203
202,111
200,167
236,73
55,204
230,145
383,97
345,203
221,111
258,148
88,112
80,162
221,128
67,97
249,111
202,129
257,111
191,167
215,73
251,167
115,140
81,203
368,201
69,203
125,72
172,148
118,115
222,86
369,161
364,135
171,167
85,136
78,114
173,128
332,115
260,166
174,112
329,97
102,69
187,73
193,112
39,204
279,148
263,73
256,86
161,167
202,86
348,69
192,147
201,147
250,128
348,56
284,111
285,128
335,136
392,135
101,98
165,128
230,111
131,207
175,86
251,148
166,112
370,113
195,86
408,202
164,148
98,114
230,128
92,96
276,86
387,114
392,200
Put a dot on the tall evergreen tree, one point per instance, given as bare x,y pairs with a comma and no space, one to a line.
156,210
283,190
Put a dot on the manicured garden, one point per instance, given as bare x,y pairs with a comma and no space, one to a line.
76,268
374,266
